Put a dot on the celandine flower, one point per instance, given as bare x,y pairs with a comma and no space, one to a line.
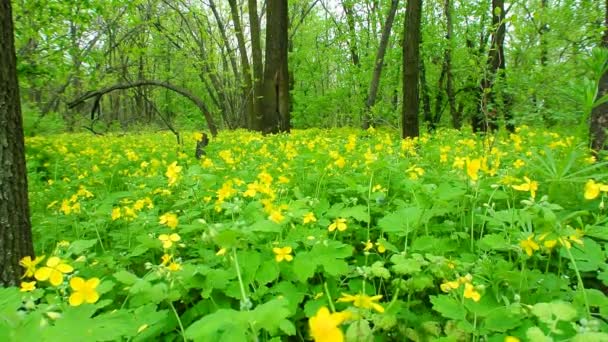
529,245
53,271
84,291
324,325
339,223
30,265
283,253
363,301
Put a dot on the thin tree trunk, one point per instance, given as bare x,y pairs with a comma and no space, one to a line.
495,69
15,225
599,114
449,86
258,68
248,85
426,98
411,62
375,83
276,70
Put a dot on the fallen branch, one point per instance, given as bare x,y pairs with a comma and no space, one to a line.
97,94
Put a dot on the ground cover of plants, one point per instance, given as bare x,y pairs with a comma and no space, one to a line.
328,235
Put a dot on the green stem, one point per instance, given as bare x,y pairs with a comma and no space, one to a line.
179,321
580,283
331,302
245,302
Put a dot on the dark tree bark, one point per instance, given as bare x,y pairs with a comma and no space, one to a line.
276,70
487,118
350,19
97,94
258,67
375,83
599,114
248,84
411,62
15,225
427,115
449,85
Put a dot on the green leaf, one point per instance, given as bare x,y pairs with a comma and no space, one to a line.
556,310
359,331
79,246
402,221
501,320
304,266
264,226
212,326
268,272
357,212
268,316
448,307
125,277
10,301
403,265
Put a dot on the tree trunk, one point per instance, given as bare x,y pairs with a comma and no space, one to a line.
495,67
248,85
276,70
599,114
427,115
256,61
15,226
449,85
373,87
411,62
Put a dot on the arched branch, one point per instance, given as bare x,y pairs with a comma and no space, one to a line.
142,83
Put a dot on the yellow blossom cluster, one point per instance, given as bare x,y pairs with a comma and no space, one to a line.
470,291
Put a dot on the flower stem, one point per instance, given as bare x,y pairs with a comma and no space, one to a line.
580,283
179,321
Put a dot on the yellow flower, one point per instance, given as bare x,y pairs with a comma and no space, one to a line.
174,267
529,245
28,286
339,224
53,271
84,291
340,162
469,292
168,240
165,259
362,301
519,163
449,285
115,214
368,245
381,248
221,252
473,167
66,209
276,216
324,326
511,339
30,265
310,217
528,185
576,237
592,189
169,219
283,253
173,172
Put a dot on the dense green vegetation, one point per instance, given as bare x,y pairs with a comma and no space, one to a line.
313,207
447,236
65,50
